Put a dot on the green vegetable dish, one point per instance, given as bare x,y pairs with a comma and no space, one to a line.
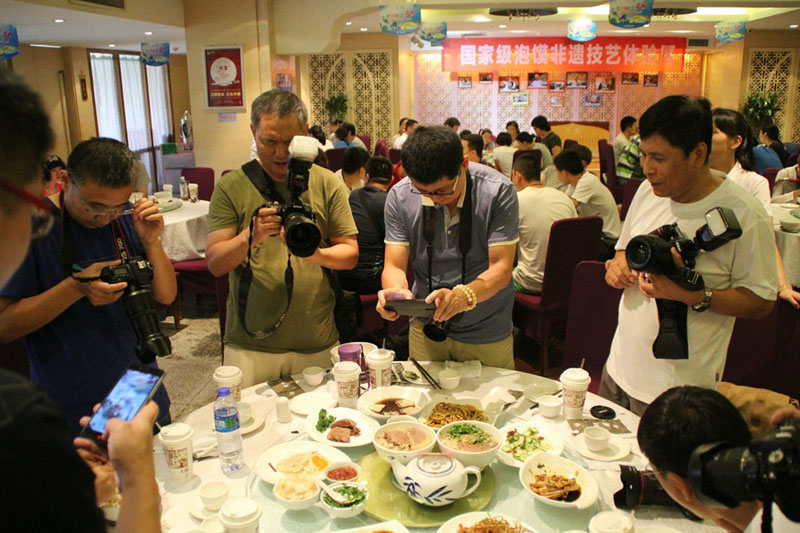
521,445
353,493
468,438
325,420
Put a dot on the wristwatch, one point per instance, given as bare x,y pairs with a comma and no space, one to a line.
705,304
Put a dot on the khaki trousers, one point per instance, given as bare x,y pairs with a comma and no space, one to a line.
258,367
420,347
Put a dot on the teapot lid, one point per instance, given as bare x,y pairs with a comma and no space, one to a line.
436,464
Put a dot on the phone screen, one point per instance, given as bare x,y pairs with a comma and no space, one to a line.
129,395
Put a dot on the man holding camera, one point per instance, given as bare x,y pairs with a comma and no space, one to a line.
739,276
458,223
78,333
286,327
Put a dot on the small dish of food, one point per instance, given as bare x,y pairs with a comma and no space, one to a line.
523,439
446,408
357,495
559,482
384,402
340,427
342,471
472,443
296,492
403,441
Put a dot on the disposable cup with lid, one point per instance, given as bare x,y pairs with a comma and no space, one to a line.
176,439
575,383
379,367
350,352
240,516
231,377
347,376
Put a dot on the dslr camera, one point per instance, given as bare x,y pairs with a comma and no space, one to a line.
138,273
297,218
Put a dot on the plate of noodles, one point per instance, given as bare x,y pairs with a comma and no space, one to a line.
293,458
444,408
484,522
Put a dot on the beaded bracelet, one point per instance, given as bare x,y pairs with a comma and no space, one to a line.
781,289
472,298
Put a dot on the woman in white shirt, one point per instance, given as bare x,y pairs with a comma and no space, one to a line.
732,153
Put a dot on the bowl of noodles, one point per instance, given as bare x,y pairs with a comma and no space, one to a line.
403,441
559,482
472,443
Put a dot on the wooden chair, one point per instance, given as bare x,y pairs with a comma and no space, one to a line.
572,240
627,197
203,177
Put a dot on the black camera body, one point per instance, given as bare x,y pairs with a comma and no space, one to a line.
297,218
138,274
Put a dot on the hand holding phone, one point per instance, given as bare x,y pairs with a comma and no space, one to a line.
417,307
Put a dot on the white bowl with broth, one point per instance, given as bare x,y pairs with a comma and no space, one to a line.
471,449
402,441
383,403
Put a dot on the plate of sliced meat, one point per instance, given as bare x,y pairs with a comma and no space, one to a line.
340,427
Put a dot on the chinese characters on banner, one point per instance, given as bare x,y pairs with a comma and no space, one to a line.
224,77
400,19
643,54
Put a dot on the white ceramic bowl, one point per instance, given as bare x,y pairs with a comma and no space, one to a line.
297,505
550,406
403,456
371,397
480,459
344,512
366,347
313,375
547,463
339,464
449,379
213,495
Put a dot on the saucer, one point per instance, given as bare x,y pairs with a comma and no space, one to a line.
617,449
197,510
255,421
302,404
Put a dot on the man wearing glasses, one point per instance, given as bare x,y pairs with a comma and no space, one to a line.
78,334
467,276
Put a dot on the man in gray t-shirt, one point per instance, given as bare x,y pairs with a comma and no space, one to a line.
475,293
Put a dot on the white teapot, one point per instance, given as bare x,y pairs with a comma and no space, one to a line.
435,479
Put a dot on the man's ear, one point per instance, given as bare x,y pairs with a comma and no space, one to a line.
681,485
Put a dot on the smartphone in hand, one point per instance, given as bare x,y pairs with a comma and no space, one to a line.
416,307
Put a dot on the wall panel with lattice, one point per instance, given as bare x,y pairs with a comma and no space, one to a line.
775,71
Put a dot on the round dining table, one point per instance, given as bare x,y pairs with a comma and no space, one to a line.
788,241
509,497
185,231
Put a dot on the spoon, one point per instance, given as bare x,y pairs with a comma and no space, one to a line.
335,496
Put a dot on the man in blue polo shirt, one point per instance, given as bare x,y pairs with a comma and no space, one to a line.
78,334
469,278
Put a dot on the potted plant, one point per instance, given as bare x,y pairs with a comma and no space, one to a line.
336,106
760,109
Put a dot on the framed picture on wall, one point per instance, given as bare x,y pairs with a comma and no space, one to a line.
537,80
508,84
556,86
630,78
577,80
224,77
485,77
519,99
605,84
650,80
464,82
556,100
592,100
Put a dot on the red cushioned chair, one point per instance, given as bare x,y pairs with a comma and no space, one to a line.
591,320
367,140
608,170
770,174
226,171
335,156
203,177
627,197
395,155
568,143
381,148
572,240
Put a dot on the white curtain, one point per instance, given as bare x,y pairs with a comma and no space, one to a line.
160,113
133,97
106,96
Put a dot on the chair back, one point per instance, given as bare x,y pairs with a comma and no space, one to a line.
591,320
226,171
335,157
381,148
600,143
608,167
572,240
367,140
770,174
203,177
792,160
536,153
394,155
568,143
627,196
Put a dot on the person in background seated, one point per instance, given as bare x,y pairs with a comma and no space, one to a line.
771,137
512,128
629,163
473,147
765,157
352,138
504,154
333,125
53,488
525,141
786,192
319,135
367,205
542,128
679,421
340,139
628,127
539,207
411,125
590,196
352,172
453,124
488,140
401,130
53,170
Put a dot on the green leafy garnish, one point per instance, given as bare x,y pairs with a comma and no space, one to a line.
354,495
325,420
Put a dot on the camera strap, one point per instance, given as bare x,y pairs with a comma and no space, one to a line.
672,341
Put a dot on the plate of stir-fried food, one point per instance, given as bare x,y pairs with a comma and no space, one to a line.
557,481
484,522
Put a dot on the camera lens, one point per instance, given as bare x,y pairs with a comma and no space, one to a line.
650,253
639,252
436,331
302,235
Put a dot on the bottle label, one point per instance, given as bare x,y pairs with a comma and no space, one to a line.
226,424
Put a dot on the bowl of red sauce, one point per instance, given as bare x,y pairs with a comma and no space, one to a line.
342,471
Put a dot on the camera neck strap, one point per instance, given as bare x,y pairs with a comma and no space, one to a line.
67,252
464,233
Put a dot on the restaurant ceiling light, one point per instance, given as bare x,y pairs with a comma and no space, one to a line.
502,26
602,9
348,23
111,45
148,33
793,26
518,31
364,29
45,45
58,21
481,18
681,31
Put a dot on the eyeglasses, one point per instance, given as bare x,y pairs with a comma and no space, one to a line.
127,209
414,190
44,214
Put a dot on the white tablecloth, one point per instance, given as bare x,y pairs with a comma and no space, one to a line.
185,231
509,498
788,243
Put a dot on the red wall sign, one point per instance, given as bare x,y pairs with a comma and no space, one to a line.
638,54
224,77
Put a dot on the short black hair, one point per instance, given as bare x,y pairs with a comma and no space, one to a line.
353,159
410,122
317,133
335,121
529,166
463,134
626,122
540,121
524,137
350,127
512,123
584,151
402,120
432,153
733,124
101,160
683,418
683,121
569,160
474,142
380,170
503,139
485,130
452,121
341,133
50,162
772,132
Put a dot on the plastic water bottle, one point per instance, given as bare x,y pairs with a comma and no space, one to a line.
184,189
229,438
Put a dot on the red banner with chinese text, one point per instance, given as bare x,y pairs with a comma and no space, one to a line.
634,54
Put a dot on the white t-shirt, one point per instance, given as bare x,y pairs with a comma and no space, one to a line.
358,142
539,207
547,157
504,159
785,174
748,262
398,143
754,183
780,524
550,179
619,145
596,200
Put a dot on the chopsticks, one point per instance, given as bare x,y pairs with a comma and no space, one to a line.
425,374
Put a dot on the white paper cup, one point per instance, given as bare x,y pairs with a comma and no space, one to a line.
231,377
213,495
347,376
167,188
240,516
245,412
596,438
550,406
176,439
575,383
193,191
379,367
